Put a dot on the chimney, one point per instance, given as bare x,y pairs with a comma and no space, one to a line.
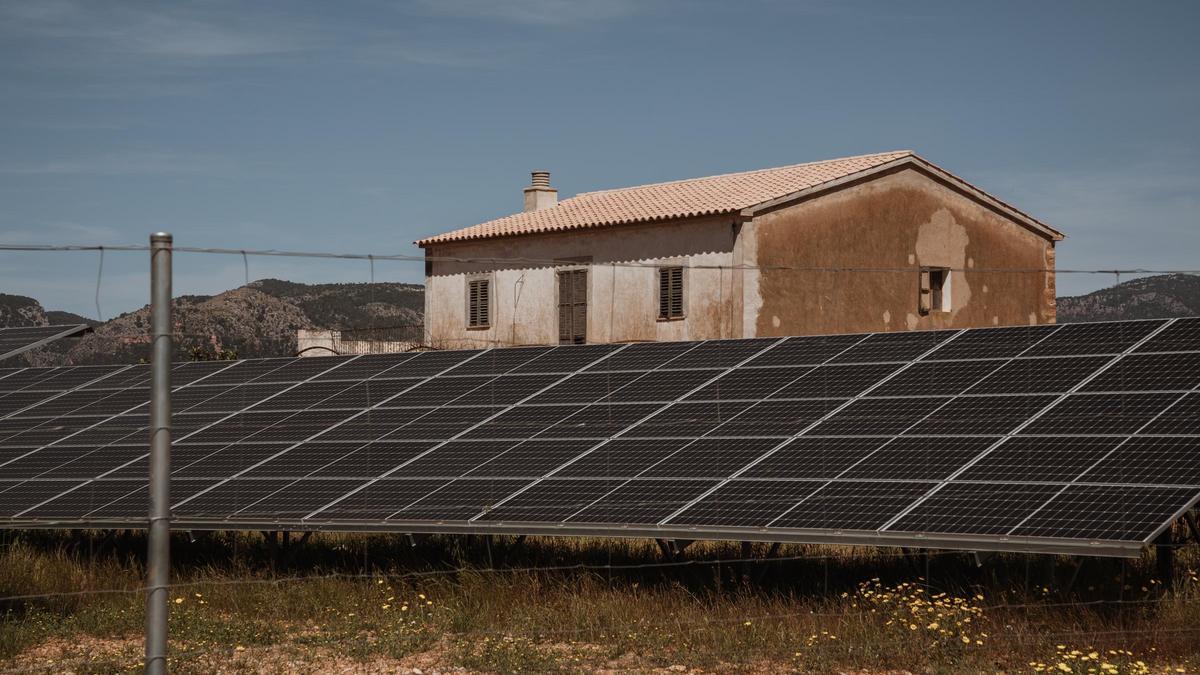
539,195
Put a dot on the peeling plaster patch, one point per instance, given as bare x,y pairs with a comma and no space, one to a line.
995,319
775,321
912,320
1033,318
912,259
887,317
942,242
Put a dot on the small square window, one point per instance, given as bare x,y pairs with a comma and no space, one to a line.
935,290
670,293
479,303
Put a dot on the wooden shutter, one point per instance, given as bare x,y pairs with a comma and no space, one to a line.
479,303
670,293
924,300
572,307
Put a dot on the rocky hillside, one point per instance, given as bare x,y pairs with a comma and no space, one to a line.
259,319
1162,296
18,310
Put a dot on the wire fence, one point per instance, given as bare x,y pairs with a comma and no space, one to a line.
374,336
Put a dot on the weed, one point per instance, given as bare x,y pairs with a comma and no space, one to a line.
368,600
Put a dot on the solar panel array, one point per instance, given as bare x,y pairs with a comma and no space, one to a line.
15,341
1072,438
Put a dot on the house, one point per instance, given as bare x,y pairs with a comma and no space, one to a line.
876,242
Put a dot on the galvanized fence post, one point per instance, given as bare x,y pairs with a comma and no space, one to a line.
159,547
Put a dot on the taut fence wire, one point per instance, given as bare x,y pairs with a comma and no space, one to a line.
399,257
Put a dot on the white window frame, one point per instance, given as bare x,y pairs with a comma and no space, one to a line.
934,298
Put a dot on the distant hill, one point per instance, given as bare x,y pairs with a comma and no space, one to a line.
1163,296
59,318
259,319
18,310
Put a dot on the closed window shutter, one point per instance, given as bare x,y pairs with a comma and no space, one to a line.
670,293
579,317
564,309
572,307
485,303
564,325
676,292
664,293
478,303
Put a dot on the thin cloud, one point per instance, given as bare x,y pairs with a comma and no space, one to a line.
170,31
127,163
60,232
537,12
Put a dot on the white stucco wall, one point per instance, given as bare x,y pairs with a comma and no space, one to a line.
622,285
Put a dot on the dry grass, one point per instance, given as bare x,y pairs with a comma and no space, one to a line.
378,604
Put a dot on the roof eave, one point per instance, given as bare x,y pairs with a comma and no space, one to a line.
912,160
444,239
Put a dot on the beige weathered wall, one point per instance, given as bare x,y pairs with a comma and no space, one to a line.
899,221
622,284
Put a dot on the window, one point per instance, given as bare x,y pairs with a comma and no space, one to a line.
935,290
572,307
479,303
670,293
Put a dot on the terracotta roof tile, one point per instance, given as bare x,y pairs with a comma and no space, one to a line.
727,193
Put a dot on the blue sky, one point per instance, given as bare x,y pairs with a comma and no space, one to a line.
360,126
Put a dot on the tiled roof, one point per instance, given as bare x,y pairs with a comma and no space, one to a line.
727,193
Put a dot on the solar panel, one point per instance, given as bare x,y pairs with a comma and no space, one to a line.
1049,458
858,505
1107,512
18,340
976,508
460,500
1075,438
1147,460
918,458
550,500
642,501
817,457
1181,336
746,503
379,500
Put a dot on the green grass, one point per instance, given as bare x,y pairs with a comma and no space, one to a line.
352,601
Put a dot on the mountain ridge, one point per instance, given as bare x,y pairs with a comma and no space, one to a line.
255,320
261,318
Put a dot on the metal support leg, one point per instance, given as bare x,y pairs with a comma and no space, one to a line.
1164,559
747,551
291,549
665,546
272,538
1189,519
766,564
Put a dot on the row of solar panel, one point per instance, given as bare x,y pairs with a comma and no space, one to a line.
245,440
1158,372
1117,513
1114,460
16,340
1026,342
1077,414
